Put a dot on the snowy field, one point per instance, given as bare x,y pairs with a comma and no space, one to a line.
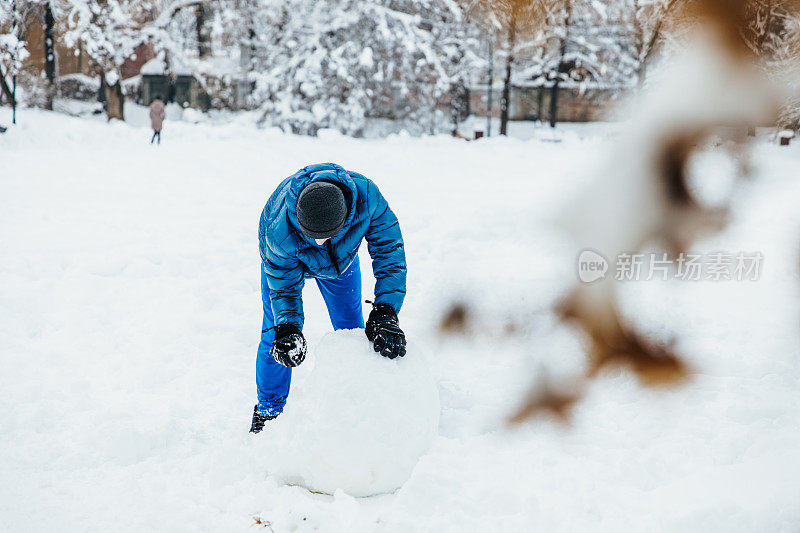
130,314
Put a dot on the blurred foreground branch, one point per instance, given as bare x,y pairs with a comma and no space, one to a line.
718,83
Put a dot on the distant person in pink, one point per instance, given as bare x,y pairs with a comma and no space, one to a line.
157,114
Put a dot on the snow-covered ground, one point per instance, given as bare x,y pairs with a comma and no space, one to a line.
130,314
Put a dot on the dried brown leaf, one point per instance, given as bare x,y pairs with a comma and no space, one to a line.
456,319
547,400
615,344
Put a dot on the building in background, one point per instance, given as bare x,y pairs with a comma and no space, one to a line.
69,59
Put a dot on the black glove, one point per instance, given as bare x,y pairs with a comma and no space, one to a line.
384,333
289,347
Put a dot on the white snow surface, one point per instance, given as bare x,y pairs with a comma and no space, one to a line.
130,314
359,422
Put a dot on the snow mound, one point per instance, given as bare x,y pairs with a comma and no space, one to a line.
359,422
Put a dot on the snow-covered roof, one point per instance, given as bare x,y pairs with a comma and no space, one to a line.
154,67
81,78
214,66
157,66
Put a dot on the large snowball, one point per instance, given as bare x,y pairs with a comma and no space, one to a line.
358,422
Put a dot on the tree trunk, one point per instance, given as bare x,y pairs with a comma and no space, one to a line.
646,53
563,53
6,90
101,92
489,102
554,104
638,32
203,49
505,99
49,56
115,101
647,48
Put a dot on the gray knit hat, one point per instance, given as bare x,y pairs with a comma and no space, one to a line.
321,210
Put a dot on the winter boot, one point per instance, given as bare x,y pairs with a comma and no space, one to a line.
259,420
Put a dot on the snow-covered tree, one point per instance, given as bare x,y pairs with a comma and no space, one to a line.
110,31
773,33
603,43
12,48
42,91
48,9
200,36
577,42
766,30
594,47
337,64
772,27
517,29
651,22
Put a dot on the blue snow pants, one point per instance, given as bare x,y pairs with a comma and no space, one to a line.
342,297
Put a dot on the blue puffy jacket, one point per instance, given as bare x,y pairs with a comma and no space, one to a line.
288,256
